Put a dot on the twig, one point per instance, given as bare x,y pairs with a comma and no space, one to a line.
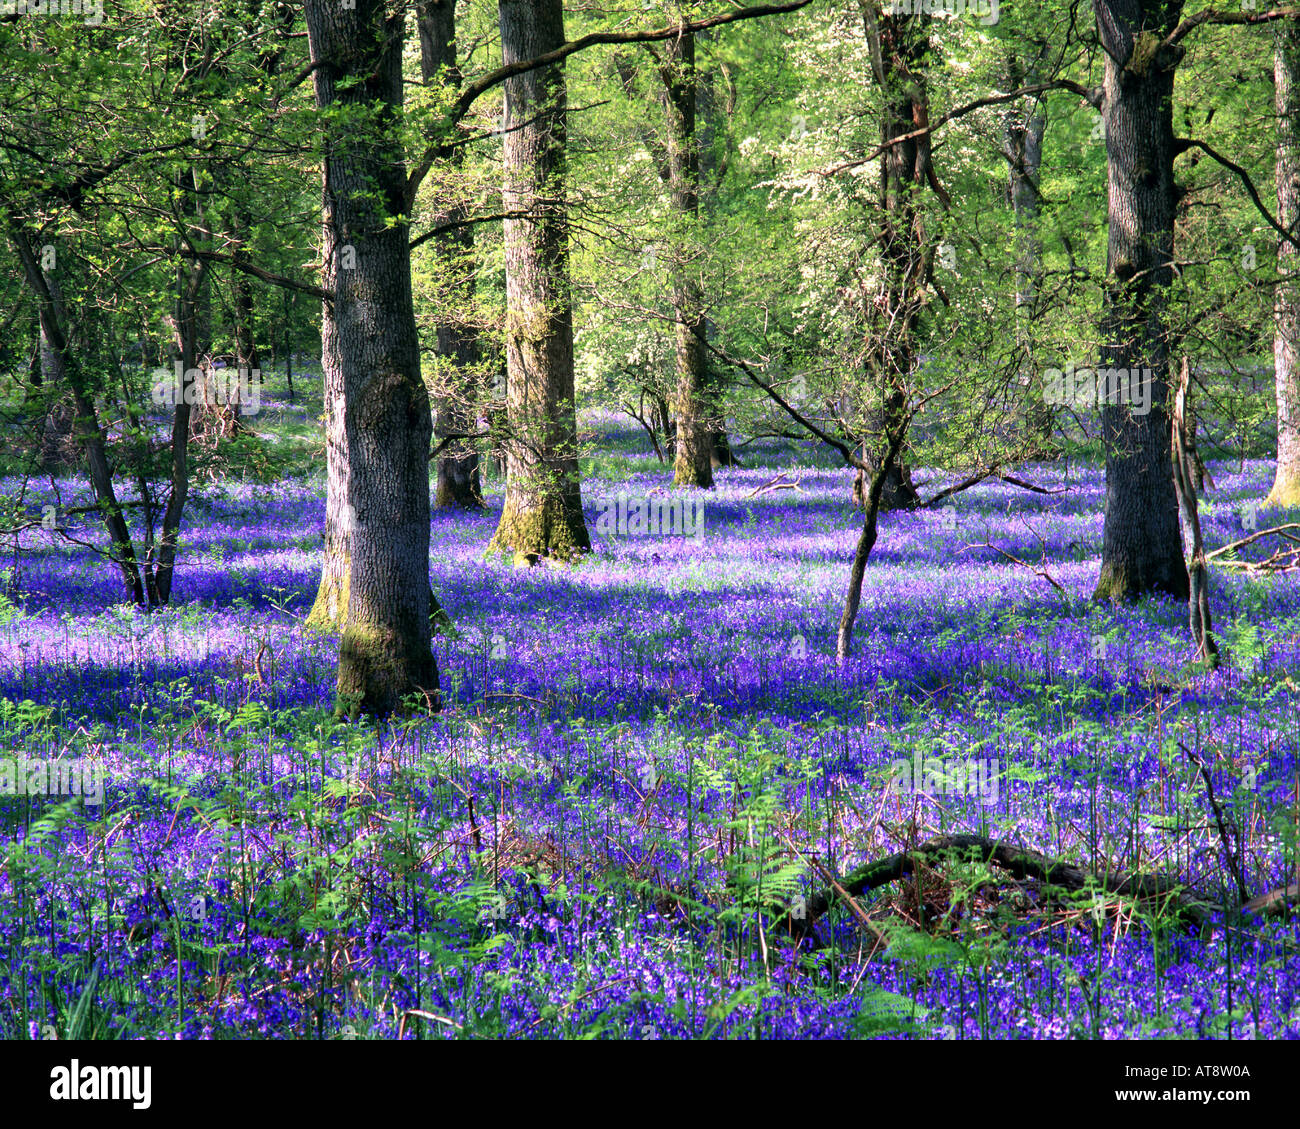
1025,564
1218,818
775,484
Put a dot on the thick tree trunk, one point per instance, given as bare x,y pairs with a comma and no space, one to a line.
458,350
1141,546
379,422
543,507
693,462
1286,299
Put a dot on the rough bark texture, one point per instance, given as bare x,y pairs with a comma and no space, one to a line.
1141,545
457,346
1286,308
542,516
378,418
693,462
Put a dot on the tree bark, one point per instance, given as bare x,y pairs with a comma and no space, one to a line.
542,516
56,435
1286,297
459,481
379,423
693,462
191,329
1185,486
899,44
867,539
1141,546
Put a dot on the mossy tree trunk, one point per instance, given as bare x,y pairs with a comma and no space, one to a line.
1141,542
379,423
1286,298
542,516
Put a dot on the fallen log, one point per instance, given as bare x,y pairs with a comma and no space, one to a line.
1022,863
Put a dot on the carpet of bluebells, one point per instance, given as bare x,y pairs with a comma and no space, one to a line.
644,767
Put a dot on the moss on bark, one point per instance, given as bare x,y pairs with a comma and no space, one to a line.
378,669
544,530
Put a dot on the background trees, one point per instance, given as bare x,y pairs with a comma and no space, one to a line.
829,222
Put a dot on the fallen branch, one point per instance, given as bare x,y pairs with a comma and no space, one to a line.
1021,863
1280,530
1025,564
980,476
775,484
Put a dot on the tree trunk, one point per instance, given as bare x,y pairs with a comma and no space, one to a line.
290,300
1286,298
247,359
693,463
56,435
899,45
376,574
1185,486
67,367
457,348
722,454
542,516
866,541
191,330
1022,141
1141,546
709,120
